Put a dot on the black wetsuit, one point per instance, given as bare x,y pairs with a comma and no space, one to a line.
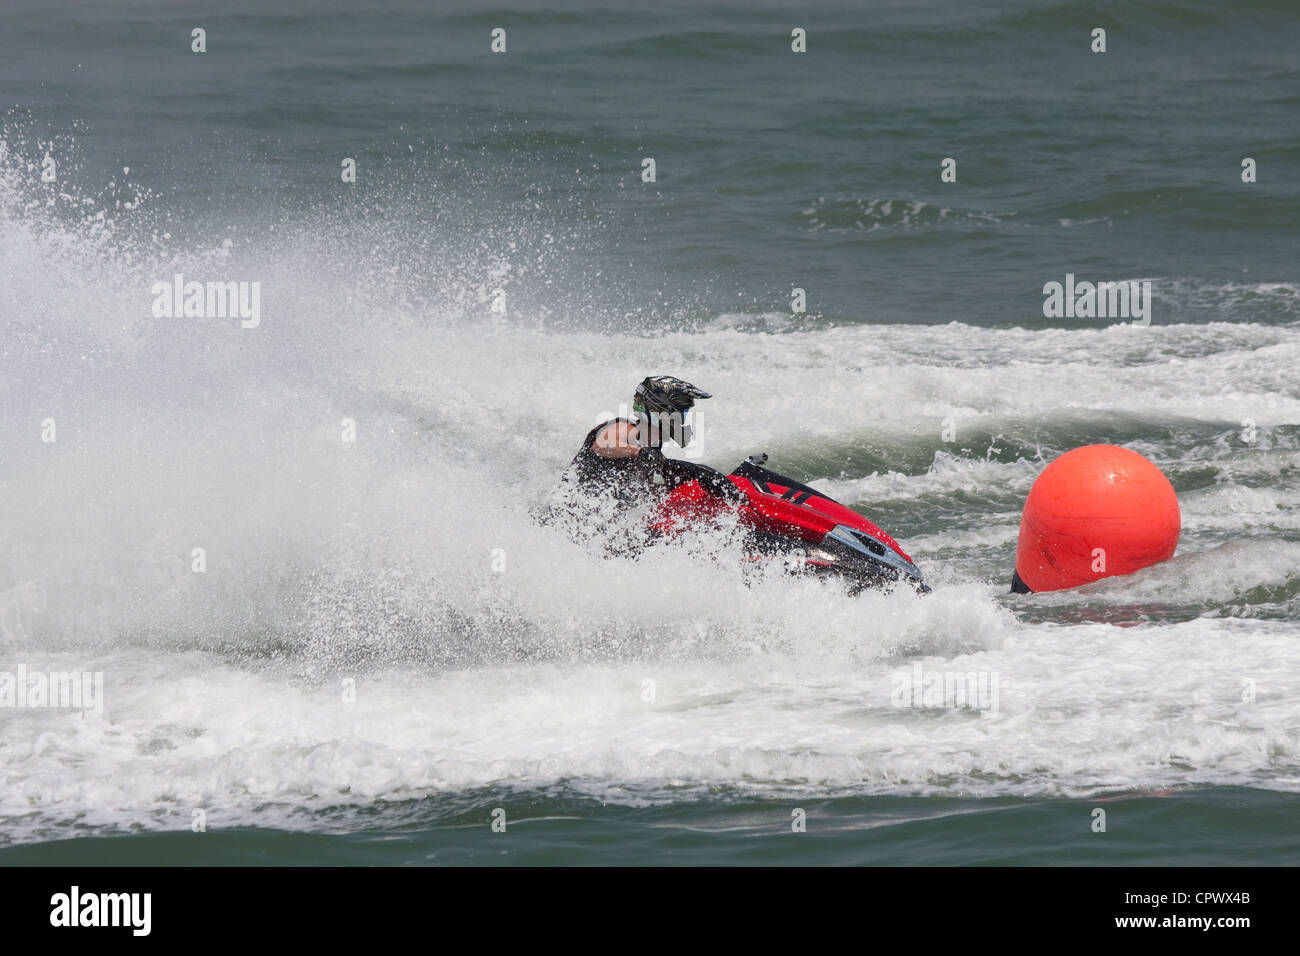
649,472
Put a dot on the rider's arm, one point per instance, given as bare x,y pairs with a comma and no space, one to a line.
620,440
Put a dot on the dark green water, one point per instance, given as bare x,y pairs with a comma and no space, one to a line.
1227,826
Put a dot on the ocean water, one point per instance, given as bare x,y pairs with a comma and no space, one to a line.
386,653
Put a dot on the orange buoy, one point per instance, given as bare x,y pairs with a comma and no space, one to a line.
1096,511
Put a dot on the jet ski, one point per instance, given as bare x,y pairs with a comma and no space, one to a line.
786,521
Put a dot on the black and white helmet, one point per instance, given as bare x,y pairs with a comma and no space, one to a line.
662,402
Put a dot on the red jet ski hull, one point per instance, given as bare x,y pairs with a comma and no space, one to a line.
790,520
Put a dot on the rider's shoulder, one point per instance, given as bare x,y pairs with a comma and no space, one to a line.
619,430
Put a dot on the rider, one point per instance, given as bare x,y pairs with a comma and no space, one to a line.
624,457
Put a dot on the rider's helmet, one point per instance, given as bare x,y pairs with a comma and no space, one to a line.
661,404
